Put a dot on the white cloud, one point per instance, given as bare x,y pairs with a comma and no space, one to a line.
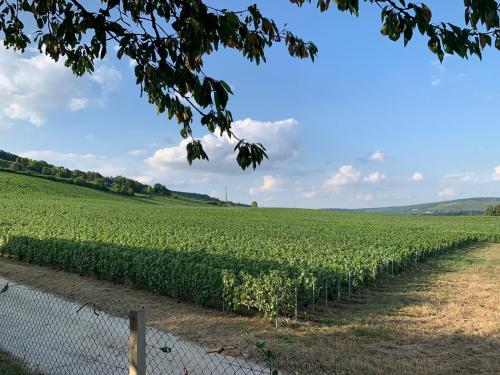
417,176
367,197
280,139
32,85
215,194
137,152
107,77
496,173
148,180
307,194
377,156
439,65
132,63
374,177
58,156
269,184
76,104
84,162
436,82
462,177
447,192
346,175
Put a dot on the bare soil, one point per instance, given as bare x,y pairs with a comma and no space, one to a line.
441,318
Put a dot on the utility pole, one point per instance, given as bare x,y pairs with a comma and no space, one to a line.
225,188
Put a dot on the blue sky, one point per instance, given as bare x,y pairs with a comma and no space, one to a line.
370,123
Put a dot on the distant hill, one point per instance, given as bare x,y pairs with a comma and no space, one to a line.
468,206
12,163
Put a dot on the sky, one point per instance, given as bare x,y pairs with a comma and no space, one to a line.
368,124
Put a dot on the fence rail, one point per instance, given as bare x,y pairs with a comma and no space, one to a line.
55,336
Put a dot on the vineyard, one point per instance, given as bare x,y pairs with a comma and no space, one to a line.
270,260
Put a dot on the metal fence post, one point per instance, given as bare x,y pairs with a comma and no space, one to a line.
137,343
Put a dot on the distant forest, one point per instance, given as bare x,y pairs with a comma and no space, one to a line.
120,185
492,211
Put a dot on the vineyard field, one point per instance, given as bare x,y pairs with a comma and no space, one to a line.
268,260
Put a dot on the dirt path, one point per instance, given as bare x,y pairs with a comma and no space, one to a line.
443,318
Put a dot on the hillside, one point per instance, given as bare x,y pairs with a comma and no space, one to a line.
12,183
468,206
119,185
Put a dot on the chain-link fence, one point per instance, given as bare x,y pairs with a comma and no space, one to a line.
54,336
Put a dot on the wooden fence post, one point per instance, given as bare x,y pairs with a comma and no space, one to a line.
137,343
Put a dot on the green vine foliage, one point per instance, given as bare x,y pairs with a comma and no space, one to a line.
231,258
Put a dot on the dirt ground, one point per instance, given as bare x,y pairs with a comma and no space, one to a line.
442,318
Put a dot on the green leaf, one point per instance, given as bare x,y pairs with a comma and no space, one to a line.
426,13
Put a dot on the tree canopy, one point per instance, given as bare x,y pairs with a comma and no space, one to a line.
94,180
492,211
169,40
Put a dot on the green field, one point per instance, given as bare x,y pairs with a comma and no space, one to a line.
264,259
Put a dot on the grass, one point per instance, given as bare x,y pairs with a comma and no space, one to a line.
39,185
12,366
442,318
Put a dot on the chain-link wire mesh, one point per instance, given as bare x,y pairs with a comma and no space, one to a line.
54,336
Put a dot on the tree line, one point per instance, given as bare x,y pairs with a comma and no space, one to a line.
119,184
492,211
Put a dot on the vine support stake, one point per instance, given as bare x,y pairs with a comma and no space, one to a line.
296,304
276,310
314,296
326,293
349,282
338,289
